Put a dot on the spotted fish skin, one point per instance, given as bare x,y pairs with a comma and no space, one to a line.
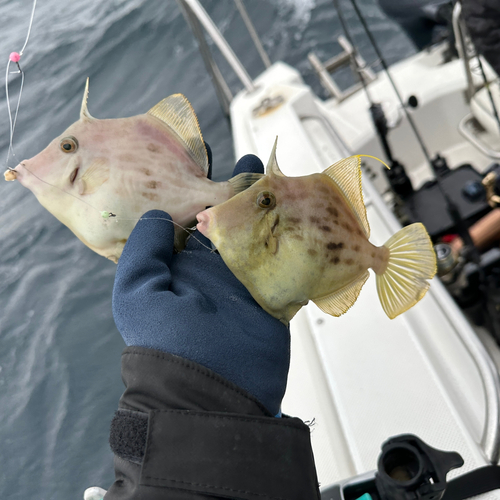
309,242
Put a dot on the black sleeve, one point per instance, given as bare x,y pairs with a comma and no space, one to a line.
184,432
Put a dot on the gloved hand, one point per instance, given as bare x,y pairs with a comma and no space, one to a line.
191,305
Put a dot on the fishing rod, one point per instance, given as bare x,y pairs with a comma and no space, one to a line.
396,91
397,175
438,164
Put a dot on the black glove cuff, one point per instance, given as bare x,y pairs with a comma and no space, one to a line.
215,453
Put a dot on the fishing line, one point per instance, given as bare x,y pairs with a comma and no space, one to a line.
187,229
391,81
105,214
15,57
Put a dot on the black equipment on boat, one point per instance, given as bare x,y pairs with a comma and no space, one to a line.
410,469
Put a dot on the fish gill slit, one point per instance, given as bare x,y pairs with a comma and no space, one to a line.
275,225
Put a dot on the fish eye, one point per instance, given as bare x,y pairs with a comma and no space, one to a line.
69,144
266,200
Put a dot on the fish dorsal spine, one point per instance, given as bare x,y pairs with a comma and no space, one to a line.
177,113
347,175
84,112
272,165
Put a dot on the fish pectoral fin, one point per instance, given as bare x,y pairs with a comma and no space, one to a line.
338,302
272,232
177,113
94,177
347,175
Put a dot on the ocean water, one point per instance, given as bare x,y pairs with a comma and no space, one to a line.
60,350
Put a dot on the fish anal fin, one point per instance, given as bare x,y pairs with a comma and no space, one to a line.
346,174
338,302
177,113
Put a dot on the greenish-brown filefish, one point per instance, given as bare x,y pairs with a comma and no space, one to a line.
294,239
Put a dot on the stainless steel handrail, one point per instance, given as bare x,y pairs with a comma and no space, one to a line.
221,42
458,29
348,55
224,94
253,34
462,128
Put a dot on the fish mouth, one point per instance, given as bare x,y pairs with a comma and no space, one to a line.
12,174
203,219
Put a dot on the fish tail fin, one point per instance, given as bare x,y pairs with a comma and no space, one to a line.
243,181
412,261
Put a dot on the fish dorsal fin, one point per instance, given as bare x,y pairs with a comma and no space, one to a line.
347,175
177,112
338,302
272,167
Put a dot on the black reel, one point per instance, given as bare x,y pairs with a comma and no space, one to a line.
408,469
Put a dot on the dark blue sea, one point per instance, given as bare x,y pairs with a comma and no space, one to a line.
59,347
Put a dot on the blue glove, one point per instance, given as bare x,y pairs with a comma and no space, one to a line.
191,305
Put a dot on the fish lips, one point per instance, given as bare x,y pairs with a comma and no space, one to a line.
204,220
10,174
14,174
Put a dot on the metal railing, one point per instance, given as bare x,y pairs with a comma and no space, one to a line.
348,57
465,127
461,44
197,18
